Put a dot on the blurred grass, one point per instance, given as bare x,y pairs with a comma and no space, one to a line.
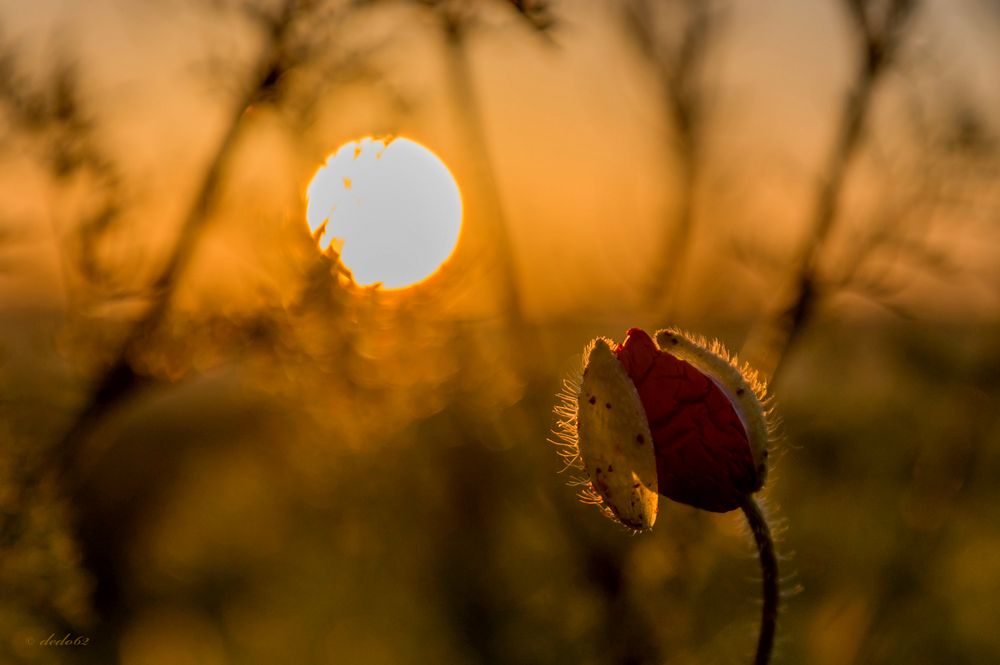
263,519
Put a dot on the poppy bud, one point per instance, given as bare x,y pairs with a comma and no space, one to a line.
678,417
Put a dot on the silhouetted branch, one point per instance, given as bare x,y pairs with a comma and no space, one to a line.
54,116
498,232
679,68
119,380
537,14
456,21
879,31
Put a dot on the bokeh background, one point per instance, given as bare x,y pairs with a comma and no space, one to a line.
214,448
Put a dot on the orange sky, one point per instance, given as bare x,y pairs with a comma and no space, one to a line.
575,130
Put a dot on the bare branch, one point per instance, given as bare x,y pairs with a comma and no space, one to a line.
679,65
878,41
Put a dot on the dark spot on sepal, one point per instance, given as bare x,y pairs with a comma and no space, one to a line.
607,405
593,400
640,439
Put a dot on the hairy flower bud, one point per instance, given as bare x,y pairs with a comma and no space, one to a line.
678,417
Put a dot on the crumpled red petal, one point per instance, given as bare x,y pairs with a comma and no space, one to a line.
703,456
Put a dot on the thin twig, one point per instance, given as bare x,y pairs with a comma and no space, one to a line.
119,379
456,25
769,583
878,42
465,94
678,68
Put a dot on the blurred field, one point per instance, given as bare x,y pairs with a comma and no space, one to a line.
262,530
284,467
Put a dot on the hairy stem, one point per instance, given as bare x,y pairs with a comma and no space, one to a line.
769,570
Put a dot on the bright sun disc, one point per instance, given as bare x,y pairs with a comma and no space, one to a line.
391,208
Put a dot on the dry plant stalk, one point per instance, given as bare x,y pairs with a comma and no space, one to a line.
879,31
678,65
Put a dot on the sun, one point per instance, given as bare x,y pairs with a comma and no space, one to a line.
389,206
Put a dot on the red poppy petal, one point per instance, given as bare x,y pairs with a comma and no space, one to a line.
703,456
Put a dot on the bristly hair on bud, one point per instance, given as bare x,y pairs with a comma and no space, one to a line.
603,428
742,384
567,443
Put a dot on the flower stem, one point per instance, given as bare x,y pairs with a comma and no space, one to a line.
769,569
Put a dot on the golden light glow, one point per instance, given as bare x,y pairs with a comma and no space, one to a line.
389,206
